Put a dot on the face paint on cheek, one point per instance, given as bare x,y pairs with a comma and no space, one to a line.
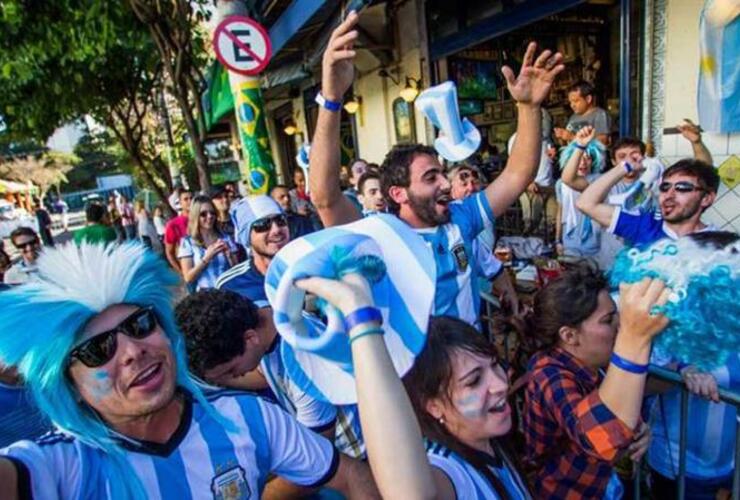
471,406
101,384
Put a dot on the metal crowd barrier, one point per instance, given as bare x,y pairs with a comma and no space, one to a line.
725,396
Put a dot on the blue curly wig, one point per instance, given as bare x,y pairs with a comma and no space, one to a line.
594,149
40,321
704,308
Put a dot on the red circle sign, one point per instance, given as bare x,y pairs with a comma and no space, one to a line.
242,45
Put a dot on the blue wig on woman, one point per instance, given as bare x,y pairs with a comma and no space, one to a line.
594,149
41,320
704,307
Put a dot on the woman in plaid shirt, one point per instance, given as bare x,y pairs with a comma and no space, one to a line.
579,421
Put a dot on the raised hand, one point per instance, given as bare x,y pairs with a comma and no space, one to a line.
348,294
535,78
585,135
337,67
690,131
636,317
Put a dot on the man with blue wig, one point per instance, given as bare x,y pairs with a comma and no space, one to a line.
105,362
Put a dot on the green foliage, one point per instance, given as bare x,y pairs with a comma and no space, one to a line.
61,59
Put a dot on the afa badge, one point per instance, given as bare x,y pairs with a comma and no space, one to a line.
461,257
231,485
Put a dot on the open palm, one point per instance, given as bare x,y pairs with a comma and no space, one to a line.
536,76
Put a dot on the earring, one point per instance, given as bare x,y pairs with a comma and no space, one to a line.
442,420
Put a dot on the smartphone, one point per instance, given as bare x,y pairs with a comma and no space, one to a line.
356,5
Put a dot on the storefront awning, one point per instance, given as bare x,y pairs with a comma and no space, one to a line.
292,20
498,24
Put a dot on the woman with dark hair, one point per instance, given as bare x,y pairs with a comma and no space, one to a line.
457,398
579,421
205,253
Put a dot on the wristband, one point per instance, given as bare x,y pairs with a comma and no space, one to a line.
362,315
332,106
582,148
629,168
628,365
376,330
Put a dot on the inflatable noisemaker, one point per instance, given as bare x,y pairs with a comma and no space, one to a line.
458,138
401,271
302,160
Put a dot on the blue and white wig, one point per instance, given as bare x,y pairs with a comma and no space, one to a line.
704,307
40,322
595,150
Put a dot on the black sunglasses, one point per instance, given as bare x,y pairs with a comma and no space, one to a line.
23,246
680,187
263,225
464,176
98,350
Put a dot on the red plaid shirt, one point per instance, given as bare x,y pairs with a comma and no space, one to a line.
572,438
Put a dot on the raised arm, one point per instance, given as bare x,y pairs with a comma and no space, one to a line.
337,73
570,175
529,90
591,201
692,133
389,426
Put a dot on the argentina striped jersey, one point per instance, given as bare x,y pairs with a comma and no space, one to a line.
201,460
468,482
452,244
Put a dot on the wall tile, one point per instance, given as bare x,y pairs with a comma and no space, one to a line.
733,146
668,147
728,206
717,143
711,216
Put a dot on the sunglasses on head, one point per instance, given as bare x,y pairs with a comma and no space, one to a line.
99,349
680,187
263,225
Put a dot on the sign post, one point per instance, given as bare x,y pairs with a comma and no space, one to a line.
243,47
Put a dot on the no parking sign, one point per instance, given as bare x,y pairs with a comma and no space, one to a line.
242,45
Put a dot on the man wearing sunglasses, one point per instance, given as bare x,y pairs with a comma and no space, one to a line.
262,228
107,365
27,242
686,190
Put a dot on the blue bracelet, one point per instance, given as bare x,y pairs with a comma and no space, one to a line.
629,168
628,365
376,330
582,148
362,315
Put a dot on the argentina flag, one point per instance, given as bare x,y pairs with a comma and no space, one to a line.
317,357
719,71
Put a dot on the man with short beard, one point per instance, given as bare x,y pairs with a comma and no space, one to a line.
686,190
414,182
262,228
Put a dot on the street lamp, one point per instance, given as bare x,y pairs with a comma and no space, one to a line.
290,127
411,90
353,104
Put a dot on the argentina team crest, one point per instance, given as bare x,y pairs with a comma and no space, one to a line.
461,257
231,485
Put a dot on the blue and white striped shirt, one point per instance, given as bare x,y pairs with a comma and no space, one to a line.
452,244
710,447
219,265
201,460
469,482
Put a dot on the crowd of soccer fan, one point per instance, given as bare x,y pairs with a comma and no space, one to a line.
156,366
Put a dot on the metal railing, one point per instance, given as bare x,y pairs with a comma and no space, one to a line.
725,396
